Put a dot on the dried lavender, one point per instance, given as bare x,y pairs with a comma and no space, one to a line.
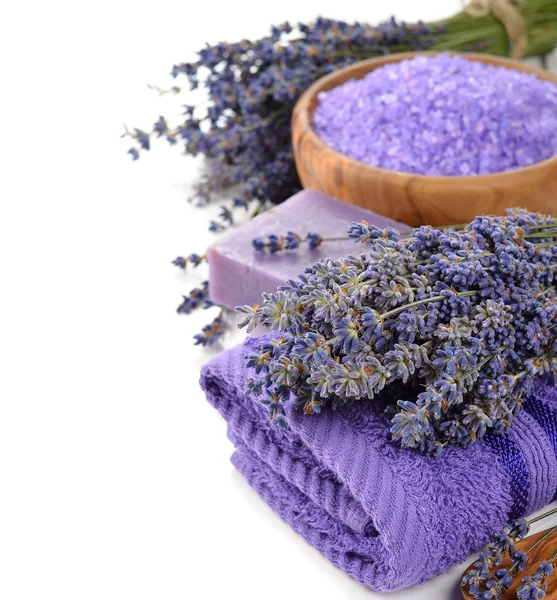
193,259
477,580
199,298
441,115
444,330
291,241
243,128
211,332
274,243
485,586
534,586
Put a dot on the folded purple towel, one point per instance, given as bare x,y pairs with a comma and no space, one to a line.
390,517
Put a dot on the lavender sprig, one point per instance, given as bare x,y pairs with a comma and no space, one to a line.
291,241
534,586
482,586
244,129
211,332
445,330
364,232
198,297
192,259
360,232
503,578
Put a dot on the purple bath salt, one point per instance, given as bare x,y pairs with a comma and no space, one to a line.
442,115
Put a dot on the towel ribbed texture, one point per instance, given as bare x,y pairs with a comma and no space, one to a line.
389,517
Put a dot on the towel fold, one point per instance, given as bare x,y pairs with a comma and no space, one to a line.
389,517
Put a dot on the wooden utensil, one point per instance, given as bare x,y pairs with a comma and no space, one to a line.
543,551
415,199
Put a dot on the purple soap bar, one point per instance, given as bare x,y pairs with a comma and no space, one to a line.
238,274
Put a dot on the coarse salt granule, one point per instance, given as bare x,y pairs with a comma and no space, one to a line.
442,115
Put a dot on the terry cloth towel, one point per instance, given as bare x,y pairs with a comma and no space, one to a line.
389,517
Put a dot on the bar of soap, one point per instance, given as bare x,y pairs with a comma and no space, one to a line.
238,274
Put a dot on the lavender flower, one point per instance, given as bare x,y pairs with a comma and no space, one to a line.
435,328
481,586
244,129
530,591
504,579
196,298
211,332
193,259
534,586
252,313
519,560
519,529
199,298
291,241
474,580
314,240
365,233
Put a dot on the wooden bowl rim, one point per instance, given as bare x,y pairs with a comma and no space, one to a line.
303,112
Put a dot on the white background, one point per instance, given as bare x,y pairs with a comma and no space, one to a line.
114,473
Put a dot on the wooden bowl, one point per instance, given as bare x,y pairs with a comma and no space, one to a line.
415,199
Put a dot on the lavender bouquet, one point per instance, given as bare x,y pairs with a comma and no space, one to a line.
444,330
243,130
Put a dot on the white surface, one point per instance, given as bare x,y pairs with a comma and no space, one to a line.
114,473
